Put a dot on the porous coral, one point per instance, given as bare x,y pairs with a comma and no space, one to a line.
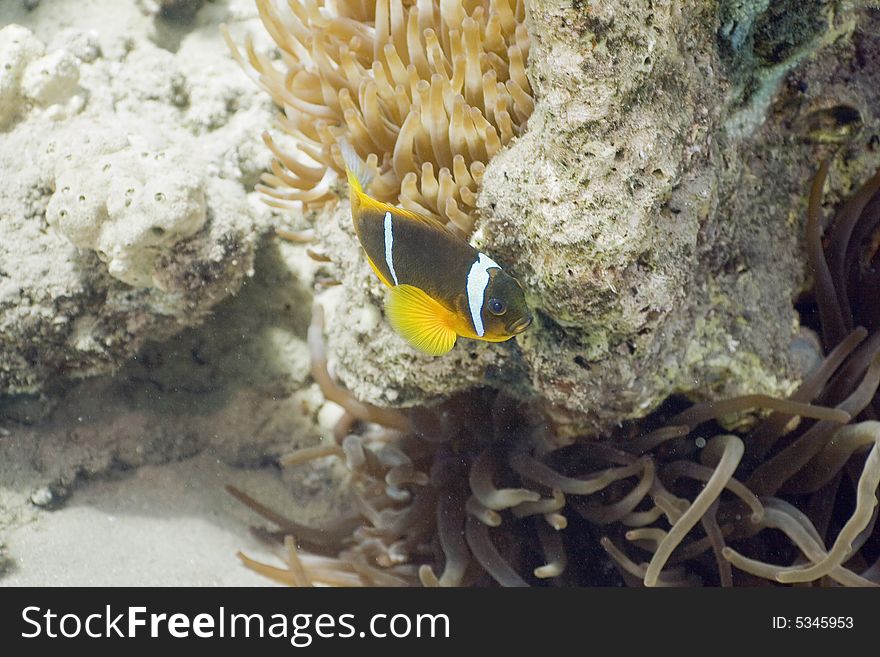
124,204
486,489
426,90
18,49
129,205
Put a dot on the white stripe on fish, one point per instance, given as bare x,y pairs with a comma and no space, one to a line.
477,282
389,247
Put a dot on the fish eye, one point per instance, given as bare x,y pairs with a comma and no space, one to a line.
497,306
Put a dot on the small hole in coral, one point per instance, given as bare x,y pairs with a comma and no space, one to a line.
157,230
834,124
580,361
844,114
159,196
82,198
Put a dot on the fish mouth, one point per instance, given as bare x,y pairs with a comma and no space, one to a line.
520,325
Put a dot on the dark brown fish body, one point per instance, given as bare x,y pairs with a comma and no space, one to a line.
418,248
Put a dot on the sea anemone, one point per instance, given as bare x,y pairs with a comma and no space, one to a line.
483,490
425,90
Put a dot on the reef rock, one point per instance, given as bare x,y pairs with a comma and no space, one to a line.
654,209
18,47
126,209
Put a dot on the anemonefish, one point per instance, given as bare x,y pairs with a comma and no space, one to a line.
441,286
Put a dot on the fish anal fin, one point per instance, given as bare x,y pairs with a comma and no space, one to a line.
422,321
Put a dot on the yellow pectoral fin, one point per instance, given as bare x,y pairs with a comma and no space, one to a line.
424,322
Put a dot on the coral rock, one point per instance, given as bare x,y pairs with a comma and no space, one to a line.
129,206
51,79
124,218
18,47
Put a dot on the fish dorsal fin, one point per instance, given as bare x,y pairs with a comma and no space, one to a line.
367,202
422,321
359,177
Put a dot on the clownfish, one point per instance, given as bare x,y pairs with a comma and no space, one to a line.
441,286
